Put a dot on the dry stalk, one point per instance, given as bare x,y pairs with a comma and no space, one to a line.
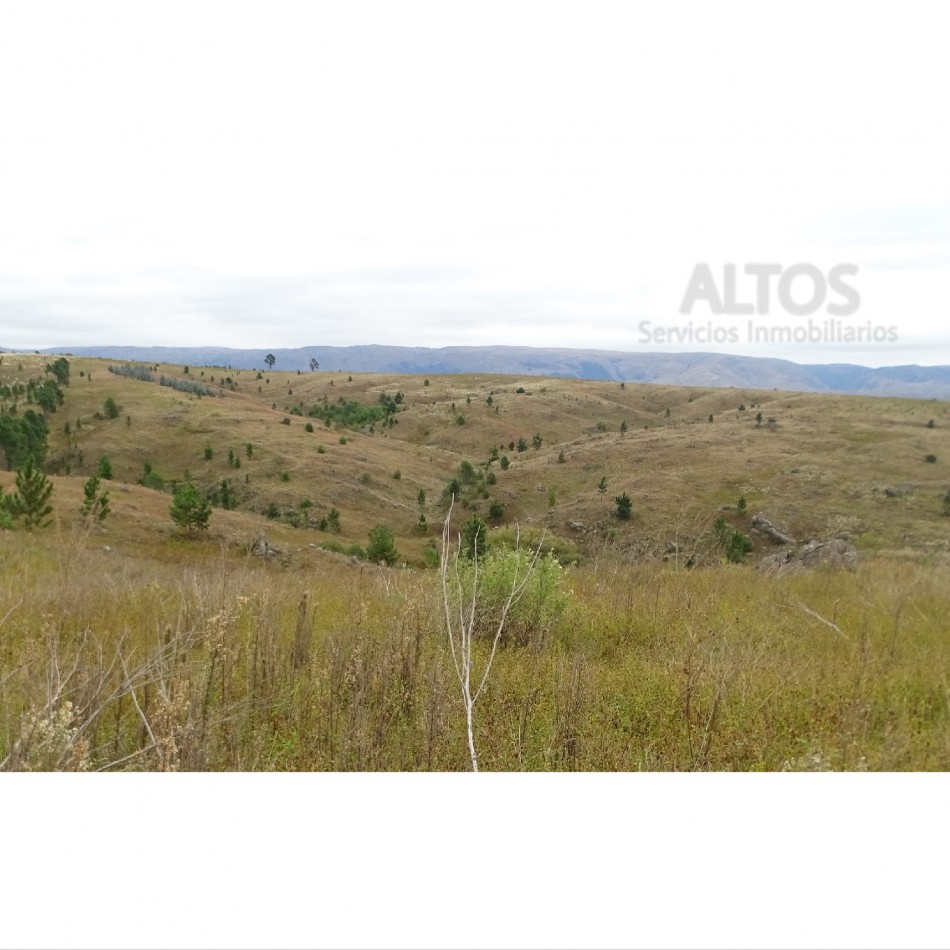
461,629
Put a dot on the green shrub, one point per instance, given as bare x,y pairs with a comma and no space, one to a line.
30,500
734,543
535,614
95,506
382,547
473,539
150,478
189,510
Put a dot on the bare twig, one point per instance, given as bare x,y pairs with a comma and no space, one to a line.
827,623
461,630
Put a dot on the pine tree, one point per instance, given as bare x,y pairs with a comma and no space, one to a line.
5,520
624,506
381,548
189,510
30,501
95,508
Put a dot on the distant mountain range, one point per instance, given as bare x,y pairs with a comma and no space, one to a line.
678,369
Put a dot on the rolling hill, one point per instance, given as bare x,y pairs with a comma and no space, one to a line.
271,641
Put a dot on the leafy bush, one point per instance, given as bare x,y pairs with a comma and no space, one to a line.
354,415
150,478
564,550
133,372
534,616
186,386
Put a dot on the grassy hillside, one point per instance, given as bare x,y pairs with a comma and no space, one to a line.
191,652
851,467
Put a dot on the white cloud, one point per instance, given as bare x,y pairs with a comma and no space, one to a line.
418,173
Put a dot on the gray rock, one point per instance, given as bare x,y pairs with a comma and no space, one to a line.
262,548
835,553
764,526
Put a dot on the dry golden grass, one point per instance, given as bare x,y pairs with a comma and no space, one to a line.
190,653
851,467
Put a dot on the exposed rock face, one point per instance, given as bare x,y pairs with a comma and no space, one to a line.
262,548
833,553
764,526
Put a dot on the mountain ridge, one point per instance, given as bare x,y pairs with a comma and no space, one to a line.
717,370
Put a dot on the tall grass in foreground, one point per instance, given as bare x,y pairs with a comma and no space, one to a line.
230,663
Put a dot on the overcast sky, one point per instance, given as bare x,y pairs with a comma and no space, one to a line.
429,174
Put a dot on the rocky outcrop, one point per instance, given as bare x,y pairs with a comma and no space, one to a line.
262,548
765,527
835,553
